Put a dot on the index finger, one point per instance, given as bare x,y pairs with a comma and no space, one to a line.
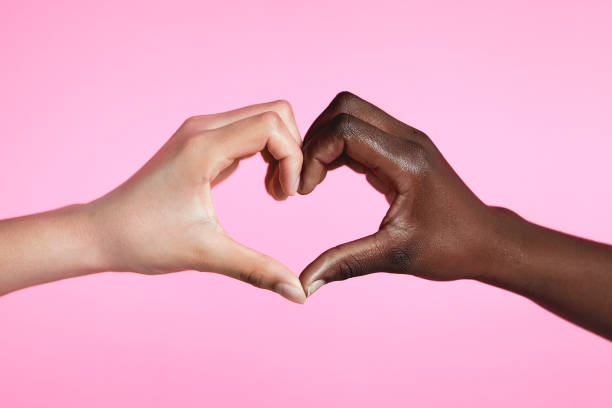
251,135
346,102
386,156
281,107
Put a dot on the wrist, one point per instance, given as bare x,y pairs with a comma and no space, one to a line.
96,257
505,248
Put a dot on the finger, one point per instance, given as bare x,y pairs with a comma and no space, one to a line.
347,137
356,258
253,134
240,262
346,102
276,184
281,107
272,179
268,181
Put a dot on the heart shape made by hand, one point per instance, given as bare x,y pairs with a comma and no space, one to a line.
434,224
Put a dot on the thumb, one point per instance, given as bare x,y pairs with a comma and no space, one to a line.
240,262
356,258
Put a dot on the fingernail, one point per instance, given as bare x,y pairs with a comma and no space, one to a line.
314,286
290,292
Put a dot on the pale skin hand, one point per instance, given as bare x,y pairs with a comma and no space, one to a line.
162,219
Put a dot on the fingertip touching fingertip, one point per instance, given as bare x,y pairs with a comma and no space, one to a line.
290,292
314,286
303,189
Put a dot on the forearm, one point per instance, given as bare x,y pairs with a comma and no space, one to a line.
570,276
47,247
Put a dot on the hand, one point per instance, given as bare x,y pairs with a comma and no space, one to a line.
435,228
162,219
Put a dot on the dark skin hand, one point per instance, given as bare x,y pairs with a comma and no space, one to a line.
437,229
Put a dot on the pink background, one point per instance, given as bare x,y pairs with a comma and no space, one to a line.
518,96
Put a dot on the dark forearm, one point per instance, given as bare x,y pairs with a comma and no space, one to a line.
570,276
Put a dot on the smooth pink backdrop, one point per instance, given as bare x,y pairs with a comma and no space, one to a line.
517,95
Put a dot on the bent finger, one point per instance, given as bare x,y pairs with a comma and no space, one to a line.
251,135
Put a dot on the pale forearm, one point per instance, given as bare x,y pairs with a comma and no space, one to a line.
47,247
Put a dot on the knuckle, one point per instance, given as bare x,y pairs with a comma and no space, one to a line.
252,277
191,122
271,120
343,123
347,266
196,145
343,100
348,269
421,135
418,158
421,157
283,106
